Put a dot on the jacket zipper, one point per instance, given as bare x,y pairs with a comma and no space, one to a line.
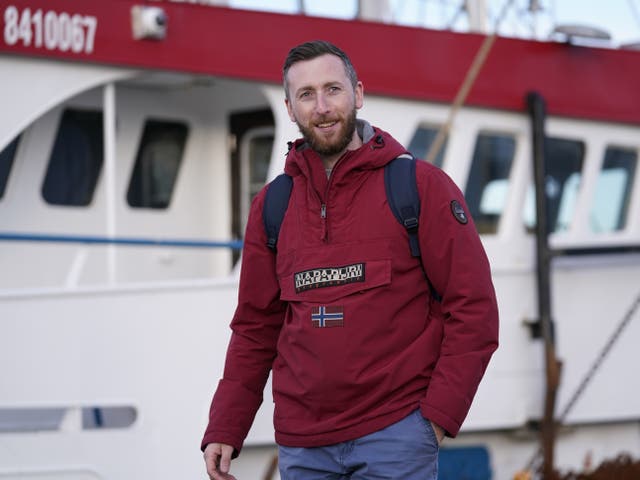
323,205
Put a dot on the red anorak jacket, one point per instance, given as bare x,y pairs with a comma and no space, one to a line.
343,315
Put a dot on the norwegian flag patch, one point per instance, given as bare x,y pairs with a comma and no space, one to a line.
327,316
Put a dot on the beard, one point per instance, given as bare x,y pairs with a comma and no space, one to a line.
327,147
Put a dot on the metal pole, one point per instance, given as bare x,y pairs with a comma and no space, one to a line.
375,11
477,12
536,107
109,122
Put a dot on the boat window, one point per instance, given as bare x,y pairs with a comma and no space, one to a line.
487,186
613,190
255,156
157,164
421,142
259,156
76,159
6,162
563,166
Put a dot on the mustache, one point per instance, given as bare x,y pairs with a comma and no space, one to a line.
326,119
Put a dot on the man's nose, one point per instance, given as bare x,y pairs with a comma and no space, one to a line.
322,105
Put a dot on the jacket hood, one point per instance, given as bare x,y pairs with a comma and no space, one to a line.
378,148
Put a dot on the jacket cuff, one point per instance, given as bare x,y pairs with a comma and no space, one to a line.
450,425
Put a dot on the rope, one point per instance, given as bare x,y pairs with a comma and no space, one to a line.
468,82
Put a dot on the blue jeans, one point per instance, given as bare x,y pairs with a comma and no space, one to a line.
406,450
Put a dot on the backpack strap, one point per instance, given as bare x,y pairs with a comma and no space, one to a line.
404,201
402,195
276,202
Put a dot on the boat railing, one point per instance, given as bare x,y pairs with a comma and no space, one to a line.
182,258
138,241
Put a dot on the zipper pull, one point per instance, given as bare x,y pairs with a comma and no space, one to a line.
323,216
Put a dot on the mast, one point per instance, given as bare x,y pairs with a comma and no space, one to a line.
477,12
537,112
375,10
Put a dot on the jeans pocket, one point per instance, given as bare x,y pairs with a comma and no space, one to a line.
428,428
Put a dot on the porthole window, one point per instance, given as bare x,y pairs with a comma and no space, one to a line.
613,190
488,183
421,142
563,168
6,162
157,164
76,159
255,156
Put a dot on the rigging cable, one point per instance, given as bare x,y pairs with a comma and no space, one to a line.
597,363
459,11
635,11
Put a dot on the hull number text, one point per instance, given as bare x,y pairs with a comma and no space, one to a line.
50,30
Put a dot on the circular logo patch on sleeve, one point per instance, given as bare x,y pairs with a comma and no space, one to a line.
458,212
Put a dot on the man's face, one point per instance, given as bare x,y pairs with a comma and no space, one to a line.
323,103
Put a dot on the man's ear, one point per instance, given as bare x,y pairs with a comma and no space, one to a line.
359,95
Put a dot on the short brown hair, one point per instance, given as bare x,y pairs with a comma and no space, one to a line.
311,50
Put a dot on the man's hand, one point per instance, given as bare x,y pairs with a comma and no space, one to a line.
217,457
439,431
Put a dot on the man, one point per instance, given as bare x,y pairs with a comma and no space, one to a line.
369,371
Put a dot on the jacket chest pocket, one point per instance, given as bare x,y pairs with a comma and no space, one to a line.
335,271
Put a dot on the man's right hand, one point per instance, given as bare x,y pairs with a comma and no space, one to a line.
217,457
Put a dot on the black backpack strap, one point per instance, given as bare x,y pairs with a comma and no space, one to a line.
404,201
276,202
402,195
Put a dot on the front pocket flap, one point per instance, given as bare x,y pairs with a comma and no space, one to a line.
336,276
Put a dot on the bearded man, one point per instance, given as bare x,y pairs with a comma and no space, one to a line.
372,393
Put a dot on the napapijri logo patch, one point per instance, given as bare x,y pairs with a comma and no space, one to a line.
327,316
458,212
328,277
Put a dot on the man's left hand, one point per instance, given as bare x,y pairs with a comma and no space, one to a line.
439,431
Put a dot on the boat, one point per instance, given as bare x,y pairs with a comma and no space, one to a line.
133,136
